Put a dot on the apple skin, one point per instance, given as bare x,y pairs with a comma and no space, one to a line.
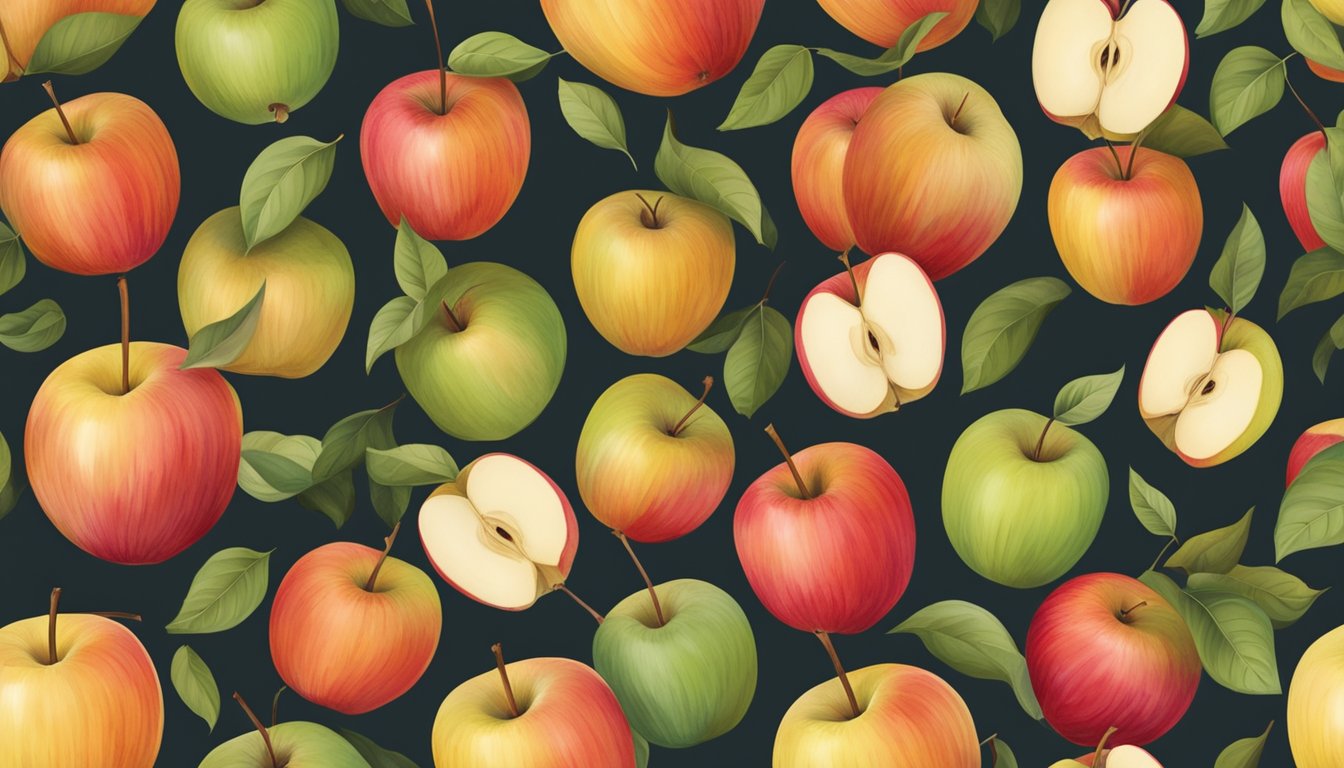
103,206
839,561
818,164
651,291
1094,666
1316,704
257,61
1316,439
639,479
495,376
655,47
1126,241
691,679
133,479
297,745
909,173
452,176
909,717
24,22
338,645
1325,73
568,717
100,704
1018,521
310,291
1330,9
1293,188
881,22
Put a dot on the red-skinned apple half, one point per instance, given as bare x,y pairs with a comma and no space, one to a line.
881,22
1316,439
1104,75
818,164
1293,188
872,339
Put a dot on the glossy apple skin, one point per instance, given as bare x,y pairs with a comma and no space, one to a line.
910,717
103,206
310,291
635,476
839,561
1093,666
137,478
343,647
297,745
1293,188
1316,439
100,704
818,165
655,47
651,291
689,680
881,22
1018,521
453,176
909,173
24,22
1316,704
568,717
1126,241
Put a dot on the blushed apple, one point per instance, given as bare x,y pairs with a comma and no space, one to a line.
1293,188
881,22
292,745
1325,73
1311,442
818,165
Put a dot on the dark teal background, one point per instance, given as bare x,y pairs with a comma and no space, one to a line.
566,176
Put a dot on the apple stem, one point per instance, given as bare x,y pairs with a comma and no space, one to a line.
771,285
579,600
1319,125
378,566
709,384
1165,547
643,574
1124,612
788,459
1228,314
275,705
1119,167
281,112
114,615
442,65
825,639
993,750
51,626
953,122
265,734
125,335
1101,745
498,650
69,130
454,324
649,216
1133,153
853,281
1040,444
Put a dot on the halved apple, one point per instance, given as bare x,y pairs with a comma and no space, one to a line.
1104,75
502,534
1127,756
1210,389
872,339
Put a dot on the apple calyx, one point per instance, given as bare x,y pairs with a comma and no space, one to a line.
69,130
803,490
649,216
498,650
825,639
256,723
653,594
442,66
378,566
709,384
281,112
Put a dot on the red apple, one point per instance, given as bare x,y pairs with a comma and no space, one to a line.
1293,188
881,22
819,164
1316,439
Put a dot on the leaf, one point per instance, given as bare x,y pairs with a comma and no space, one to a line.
35,328
1151,506
1248,82
780,82
998,16
1003,754
1325,193
758,361
389,13
1331,342
374,755
281,182
1003,327
1244,753
195,685
1183,133
392,326
298,450
1311,34
1282,596
594,116
1086,399
1216,551
389,501
413,464
12,479
80,43
1315,276
497,54
344,445
1222,15
225,591
1311,514
714,180
894,57
972,641
418,263
12,264
221,342
333,497
721,333
1236,275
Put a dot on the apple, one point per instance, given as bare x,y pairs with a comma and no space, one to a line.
23,23
98,197
1104,75
133,477
653,462
290,745
257,61
1293,188
1315,701
688,679
827,538
655,47
818,164
872,338
881,22
351,628
1316,439
447,152
1124,756
1210,387
908,717
1015,516
652,269
489,364
1325,73
1103,651
1330,9
926,146
1127,232
310,291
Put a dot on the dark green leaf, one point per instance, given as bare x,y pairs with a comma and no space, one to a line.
1248,82
1087,398
998,16
594,116
34,329
1151,506
714,180
1331,342
12,263
416,261
1311,34
389,501
293,471
12,479
1003,327
1183,133
221,342
1244,753
894,57
757,362
81,43
374,755
225,591
389,13
344,444
1236,275
412,464
1282,596
1311,514
1003,755
1216,551
281,182
780,82
333,497
1316,276
195,685
496,54
279,472
721,333
1222,15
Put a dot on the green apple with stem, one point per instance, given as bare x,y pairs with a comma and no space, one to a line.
287,745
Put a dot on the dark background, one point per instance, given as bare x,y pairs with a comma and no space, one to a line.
566,176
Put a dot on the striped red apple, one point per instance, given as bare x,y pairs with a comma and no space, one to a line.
818,164
1293,188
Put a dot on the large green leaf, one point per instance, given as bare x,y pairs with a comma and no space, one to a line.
281,182
1154,510
721,333
1330,342
757,362
1282,596
225,591
412,464
1311,34
1311,514
1087,398
1222,15
1325,191
195,685
80,43
333,497
223,341
417,262
344,445
1183,133
594,116
1248,82
374,755
716,181
780,82
392,326
497,54
283,464
1003,327
1216,551
1236,275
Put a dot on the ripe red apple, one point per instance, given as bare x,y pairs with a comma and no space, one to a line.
1316,439
819,164
1293,188
881,22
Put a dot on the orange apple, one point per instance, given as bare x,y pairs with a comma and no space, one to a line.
819,164
881,22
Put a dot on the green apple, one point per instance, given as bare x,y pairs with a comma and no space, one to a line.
688,680
490,362
294,745
1016,517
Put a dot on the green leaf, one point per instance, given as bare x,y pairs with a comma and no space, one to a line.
1183,133
1311,34
281,182
374,755
1325,191
714,180
225,591
998,16
418,263
392,326
972,641
780,82
12,479
1236,275
1315,276
1282,596
12,263
34,329
1222,15
757,362
1154,510
221,342
344,445
1087,398
1331,342
497,54
1003,327
333,497
282,473
894,57
195,685
1003,754
409,465
389,13
721,333
594,116
81,43
1244,753
1248,82
290,468
1216,551
389,501
1311,514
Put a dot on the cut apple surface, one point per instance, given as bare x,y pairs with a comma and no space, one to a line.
1130,756
1108,76
503,533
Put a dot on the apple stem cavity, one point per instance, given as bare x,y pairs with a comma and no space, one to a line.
788,459
69,130
1101,745
275,705
378,566
953,122
1124,616
453,323
1119,166
825,639
1319,125
498,650
125,335
649,216
1040,444
265,734
643,574
709,384
51,627
582,604
442,66
281,112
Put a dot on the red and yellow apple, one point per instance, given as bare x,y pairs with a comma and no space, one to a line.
1325,73
1315,704
23,23
881,22
1293,188
818,165
1316,439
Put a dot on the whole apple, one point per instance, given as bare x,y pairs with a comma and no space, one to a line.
1315,704
1293,188
1316,439
818,164
23,23
294,745
881,22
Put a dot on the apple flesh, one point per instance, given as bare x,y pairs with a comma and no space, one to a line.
23,23
1315,699
818,165
296,744
881,22
1124,756
1316,439
1293,188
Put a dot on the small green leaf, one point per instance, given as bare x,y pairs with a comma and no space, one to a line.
1087,398
34,329
221,342
780,82
1311,34
389,501
409,465
281,182
1003,327
292,471
1244,753
225,591
344,445
12,479
12,263
417,262
1236,275
1325,190
497,54
1151,506
195,685
1003,754
721,333
1311,514
80,43
594,116
998,16
1316,276
393,326
1248,82
757,362
1332,341
1282,596
389,13
1216,551
333,497
714,180
1222,15
374,755
1183,133
894,57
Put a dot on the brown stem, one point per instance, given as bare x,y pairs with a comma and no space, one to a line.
825,639
1040,444
1119,167
454,324
788,459
114,615
649,216
125,335
1126,611
853,281
993,751
1319,125
1133,153
583,605
281,112
771,285
442,65
709,384
657,607
387,547
51,626
69,130
1228,314
498,650
1101,745
953,122
275,705
265,734
13,69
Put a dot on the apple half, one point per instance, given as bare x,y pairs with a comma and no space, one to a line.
874,341
502,534
1104,75
1126,756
